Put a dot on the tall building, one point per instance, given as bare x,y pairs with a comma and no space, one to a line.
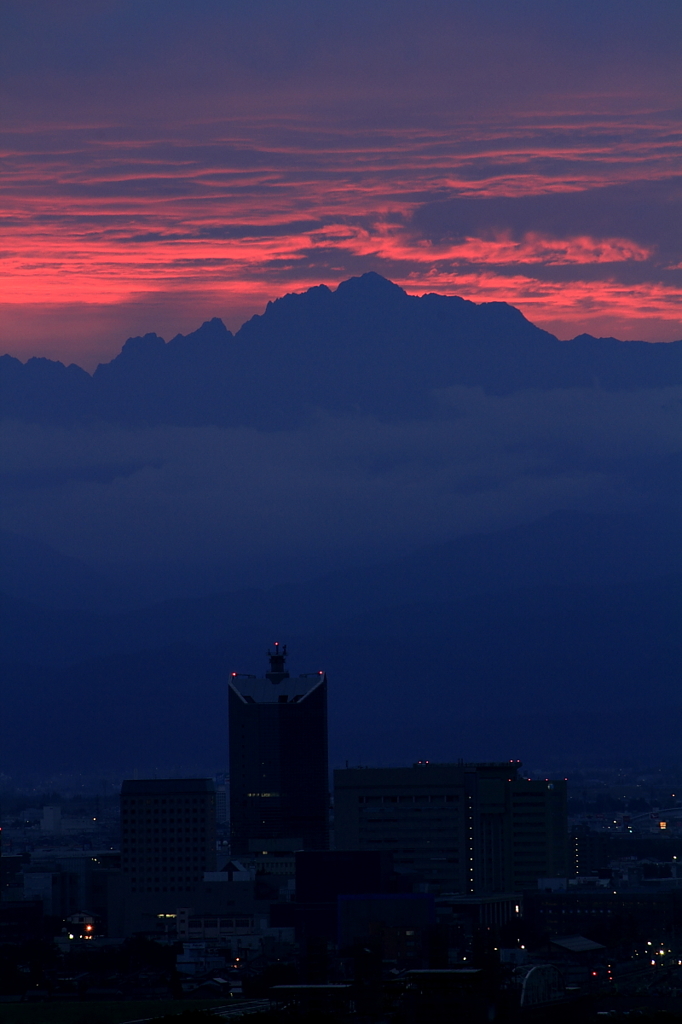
539,831
279,787
167,833
467,828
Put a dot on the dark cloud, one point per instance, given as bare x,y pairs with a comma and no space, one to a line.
470,51
651,215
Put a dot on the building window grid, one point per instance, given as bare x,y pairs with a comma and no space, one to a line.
169,873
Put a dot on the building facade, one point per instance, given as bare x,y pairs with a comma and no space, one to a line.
463,828
606,916
168,835
278,759
73,881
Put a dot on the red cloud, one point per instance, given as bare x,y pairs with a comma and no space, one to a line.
258,208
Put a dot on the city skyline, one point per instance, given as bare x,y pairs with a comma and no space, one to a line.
352,328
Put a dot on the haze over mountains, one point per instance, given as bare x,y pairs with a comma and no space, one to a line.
473,526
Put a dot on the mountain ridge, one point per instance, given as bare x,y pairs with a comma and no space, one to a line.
367,347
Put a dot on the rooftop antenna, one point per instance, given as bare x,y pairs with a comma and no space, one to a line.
277,658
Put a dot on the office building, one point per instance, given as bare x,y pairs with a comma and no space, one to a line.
221,811
463,828
278,759
167,834
537,816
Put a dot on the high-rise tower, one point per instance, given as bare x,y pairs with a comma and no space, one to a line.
279,789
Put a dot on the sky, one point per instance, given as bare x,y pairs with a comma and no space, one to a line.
171,161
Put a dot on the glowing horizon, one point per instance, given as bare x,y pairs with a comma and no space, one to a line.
138,203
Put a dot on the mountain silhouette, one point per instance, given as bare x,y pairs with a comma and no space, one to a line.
523,641
366,348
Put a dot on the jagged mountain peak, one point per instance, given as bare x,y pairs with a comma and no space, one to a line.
368,347
366,291
370,285
143,344
213,330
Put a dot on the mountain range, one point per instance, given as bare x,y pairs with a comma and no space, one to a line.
368,347
552,636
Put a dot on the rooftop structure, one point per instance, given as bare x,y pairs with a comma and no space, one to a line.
278,757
